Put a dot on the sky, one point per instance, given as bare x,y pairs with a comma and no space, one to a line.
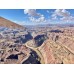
39,16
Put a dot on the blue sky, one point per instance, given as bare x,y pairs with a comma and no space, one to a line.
39,16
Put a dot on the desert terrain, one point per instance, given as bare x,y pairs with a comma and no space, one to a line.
35,44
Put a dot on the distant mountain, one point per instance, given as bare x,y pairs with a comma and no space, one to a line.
9,24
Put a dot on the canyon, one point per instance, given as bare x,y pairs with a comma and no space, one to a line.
35,44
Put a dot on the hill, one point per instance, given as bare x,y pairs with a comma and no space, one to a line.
9,24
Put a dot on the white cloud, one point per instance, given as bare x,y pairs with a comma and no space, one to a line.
61,12
31,12
64,15
70,18
37,20
34,16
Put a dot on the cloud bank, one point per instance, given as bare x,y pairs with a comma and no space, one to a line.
58,14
